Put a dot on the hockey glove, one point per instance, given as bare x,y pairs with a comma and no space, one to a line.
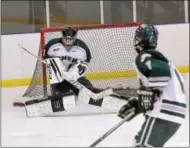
128,107
144,102
146,99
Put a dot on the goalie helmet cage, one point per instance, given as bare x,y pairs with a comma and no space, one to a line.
112,61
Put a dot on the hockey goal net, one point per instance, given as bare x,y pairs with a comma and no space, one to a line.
112,61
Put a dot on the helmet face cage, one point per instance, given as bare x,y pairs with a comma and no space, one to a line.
69,35
146,36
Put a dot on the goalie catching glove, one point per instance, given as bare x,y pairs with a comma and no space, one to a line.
142,104
76,71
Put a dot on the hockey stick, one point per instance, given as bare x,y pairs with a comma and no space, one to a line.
131,113
76,83
30,102
22,47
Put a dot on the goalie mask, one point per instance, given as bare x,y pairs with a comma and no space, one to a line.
69,36
146,37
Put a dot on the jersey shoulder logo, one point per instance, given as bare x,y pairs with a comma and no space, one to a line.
56,49
144,56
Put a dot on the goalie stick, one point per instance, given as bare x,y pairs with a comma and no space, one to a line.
131,113
81,87
22,47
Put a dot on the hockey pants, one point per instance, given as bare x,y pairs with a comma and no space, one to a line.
155,132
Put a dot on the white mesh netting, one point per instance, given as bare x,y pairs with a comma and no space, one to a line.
112,59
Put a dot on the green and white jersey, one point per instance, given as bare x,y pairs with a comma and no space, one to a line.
69,55
155,71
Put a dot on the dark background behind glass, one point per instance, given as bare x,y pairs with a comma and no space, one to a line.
28,16
116,12
22,16
161,12
74,13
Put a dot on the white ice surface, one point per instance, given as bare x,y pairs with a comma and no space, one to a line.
80,131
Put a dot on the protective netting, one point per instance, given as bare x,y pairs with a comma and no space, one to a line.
112,63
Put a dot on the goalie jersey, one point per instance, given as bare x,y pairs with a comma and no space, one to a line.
69,55
155,71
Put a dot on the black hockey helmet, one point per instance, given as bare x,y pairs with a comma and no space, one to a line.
146,37
69,36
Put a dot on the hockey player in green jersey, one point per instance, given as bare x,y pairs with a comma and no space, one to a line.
161,95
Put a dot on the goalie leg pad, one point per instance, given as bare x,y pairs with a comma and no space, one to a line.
36,108
113,103
107,102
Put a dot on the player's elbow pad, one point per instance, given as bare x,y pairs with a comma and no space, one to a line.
160,74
